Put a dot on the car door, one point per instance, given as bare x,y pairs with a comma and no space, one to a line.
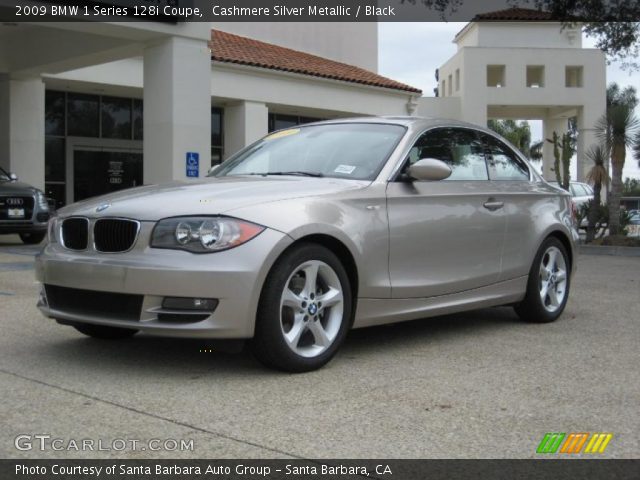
445,236
523,203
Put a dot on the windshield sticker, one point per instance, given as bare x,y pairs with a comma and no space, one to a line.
346,169
283,133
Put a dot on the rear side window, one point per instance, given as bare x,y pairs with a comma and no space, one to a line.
459,148
503,162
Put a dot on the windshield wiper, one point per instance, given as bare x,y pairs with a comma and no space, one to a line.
294,172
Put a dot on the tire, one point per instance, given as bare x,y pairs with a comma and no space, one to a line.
32,238
105,333
551,271
296,331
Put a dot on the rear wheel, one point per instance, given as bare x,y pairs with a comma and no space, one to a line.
104,332
304,311
32,238
548,284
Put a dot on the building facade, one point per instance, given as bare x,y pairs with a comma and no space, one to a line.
517,64
87,109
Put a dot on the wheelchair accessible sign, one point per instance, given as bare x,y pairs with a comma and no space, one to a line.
193,164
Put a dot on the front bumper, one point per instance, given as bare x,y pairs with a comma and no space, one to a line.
234,277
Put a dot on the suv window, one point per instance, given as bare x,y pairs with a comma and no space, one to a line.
4,176
459,148
503,162
576,190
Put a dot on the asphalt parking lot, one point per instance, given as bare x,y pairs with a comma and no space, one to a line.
475,385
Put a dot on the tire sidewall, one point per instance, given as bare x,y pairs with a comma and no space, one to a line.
533,301
268,337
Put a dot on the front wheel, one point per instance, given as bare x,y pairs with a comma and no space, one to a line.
304,311
32,238
548,284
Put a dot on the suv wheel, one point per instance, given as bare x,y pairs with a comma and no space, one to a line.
32,238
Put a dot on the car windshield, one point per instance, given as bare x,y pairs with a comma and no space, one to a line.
347,150
4,176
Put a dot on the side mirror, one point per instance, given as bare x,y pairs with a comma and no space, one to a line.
13,177
429,169
213,169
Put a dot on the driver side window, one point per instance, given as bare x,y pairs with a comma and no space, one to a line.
459,148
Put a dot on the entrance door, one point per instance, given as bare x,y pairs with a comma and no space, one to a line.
97,171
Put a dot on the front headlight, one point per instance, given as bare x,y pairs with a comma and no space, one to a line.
41,200
203,234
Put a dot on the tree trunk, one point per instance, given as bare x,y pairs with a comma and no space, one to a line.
593,213
617,164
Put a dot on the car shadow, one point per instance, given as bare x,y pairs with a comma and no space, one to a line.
160,356
11,244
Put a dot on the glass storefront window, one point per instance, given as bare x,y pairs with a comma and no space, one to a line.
137,119
54,159
57,191
216,156
216,127
116,117
82,115
278,121
54,113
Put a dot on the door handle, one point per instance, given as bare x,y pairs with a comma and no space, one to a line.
493,205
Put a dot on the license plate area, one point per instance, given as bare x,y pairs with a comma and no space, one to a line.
15,213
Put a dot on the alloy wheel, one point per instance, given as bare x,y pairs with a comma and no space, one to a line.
311,308
552,279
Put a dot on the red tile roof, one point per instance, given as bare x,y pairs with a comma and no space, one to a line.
515,15
230,48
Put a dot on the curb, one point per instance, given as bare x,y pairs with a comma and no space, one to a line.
609,250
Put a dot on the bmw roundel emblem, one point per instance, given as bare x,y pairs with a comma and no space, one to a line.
103,207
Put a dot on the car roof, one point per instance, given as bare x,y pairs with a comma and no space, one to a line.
406,121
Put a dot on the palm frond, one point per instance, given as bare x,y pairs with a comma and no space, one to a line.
598,174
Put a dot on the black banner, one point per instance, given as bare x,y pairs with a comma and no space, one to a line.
313,10
321,469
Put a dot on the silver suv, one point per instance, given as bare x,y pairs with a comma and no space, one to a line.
23,209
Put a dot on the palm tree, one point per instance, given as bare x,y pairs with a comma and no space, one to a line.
535,151
636,148
597,176
615,96
616,130
518,133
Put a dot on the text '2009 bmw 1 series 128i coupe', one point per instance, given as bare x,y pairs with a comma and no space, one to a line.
312,231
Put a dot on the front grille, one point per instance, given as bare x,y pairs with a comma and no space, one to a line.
113,235
120,306
75,233
20,202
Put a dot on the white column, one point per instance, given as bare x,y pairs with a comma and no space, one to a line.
22,129
244,123
177,108
550,125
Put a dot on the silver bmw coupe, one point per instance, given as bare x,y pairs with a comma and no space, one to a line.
312,231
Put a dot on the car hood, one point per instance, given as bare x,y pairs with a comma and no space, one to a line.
16,188
210,196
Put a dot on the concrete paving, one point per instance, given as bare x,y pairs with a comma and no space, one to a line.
476,385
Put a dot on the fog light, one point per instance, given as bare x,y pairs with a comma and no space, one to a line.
183,303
